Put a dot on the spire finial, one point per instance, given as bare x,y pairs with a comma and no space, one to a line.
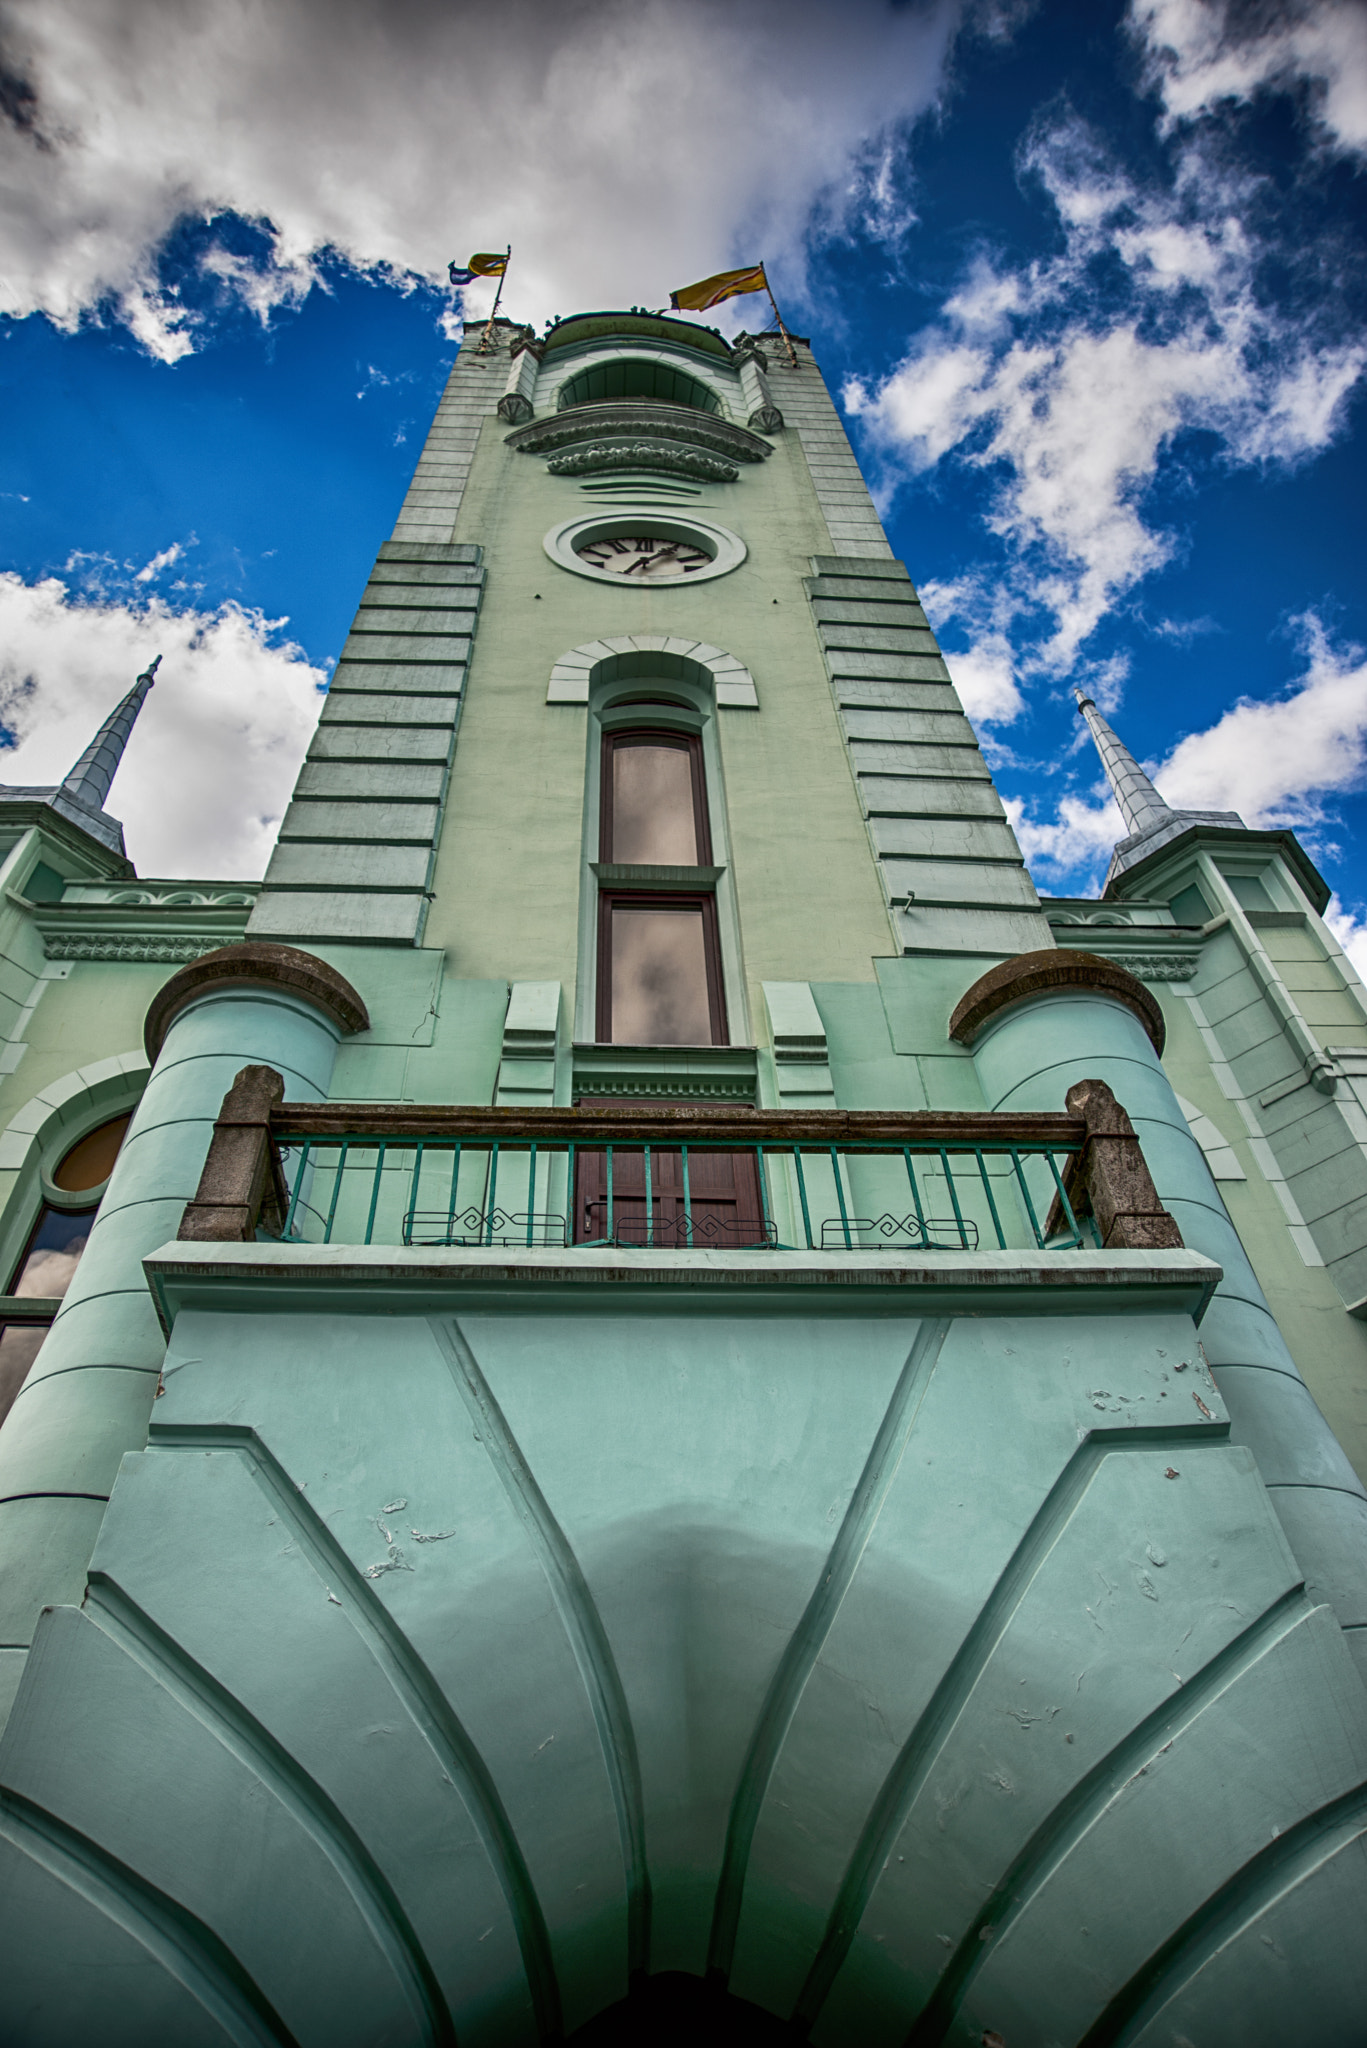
1140,804
88,783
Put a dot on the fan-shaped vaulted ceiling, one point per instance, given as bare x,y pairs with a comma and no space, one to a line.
636,377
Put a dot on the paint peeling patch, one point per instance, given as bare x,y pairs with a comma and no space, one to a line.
1202,1406
394,1507
431,1536
333,1598
394,1562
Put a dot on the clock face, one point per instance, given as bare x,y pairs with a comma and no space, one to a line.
644,557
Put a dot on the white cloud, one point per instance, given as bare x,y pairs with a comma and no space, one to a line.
214,755
985,677
1077,843
623,146
1205,53
1073,379
1276,760
166,558
1350,929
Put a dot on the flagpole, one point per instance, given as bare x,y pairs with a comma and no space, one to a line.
778,317
487,341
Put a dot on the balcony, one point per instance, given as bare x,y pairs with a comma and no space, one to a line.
664,1178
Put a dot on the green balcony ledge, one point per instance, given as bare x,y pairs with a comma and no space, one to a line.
393,1280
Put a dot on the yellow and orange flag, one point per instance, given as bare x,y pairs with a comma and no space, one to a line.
488,263
727,284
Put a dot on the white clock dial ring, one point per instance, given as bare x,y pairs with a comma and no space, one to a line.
633,548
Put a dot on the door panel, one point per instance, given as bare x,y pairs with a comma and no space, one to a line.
723,1204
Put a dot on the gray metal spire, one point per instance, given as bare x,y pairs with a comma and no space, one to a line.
88,783
1151,822
1140,804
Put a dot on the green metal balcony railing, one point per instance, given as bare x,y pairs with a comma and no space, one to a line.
674,1177
663,1178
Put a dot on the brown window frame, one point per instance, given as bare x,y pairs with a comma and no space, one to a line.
659,899
654,736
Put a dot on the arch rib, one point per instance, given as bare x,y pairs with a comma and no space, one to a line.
651,655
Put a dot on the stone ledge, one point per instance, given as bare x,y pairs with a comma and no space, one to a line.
390,1280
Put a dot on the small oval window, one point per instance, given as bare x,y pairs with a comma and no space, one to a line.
90,1163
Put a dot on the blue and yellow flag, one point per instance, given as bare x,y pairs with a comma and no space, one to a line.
486,264
727,284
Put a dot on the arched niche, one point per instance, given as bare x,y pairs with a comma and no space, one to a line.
649,377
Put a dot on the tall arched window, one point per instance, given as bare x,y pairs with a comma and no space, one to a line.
659,962
654,800
53,1252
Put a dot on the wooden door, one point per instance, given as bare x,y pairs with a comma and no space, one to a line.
722,1206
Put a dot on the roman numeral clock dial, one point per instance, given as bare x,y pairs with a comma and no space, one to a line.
644,557
636,547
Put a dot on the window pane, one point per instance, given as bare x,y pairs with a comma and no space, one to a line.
54,1252
659,977
19,1346
652,806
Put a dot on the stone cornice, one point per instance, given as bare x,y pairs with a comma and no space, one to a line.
167,948
69,826
709,1073
156,921
1229,839
622,418
673,457
1151,953
581,330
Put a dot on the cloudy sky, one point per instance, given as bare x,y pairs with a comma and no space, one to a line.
1087,277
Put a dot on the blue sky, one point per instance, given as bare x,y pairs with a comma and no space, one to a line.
1087,278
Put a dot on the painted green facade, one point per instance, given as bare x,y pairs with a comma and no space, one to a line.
417,1644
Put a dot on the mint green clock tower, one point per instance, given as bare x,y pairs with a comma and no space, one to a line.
658,1397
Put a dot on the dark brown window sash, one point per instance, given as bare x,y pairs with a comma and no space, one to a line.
656,900
683,742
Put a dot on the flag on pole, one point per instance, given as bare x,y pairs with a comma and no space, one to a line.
727,284
485,264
